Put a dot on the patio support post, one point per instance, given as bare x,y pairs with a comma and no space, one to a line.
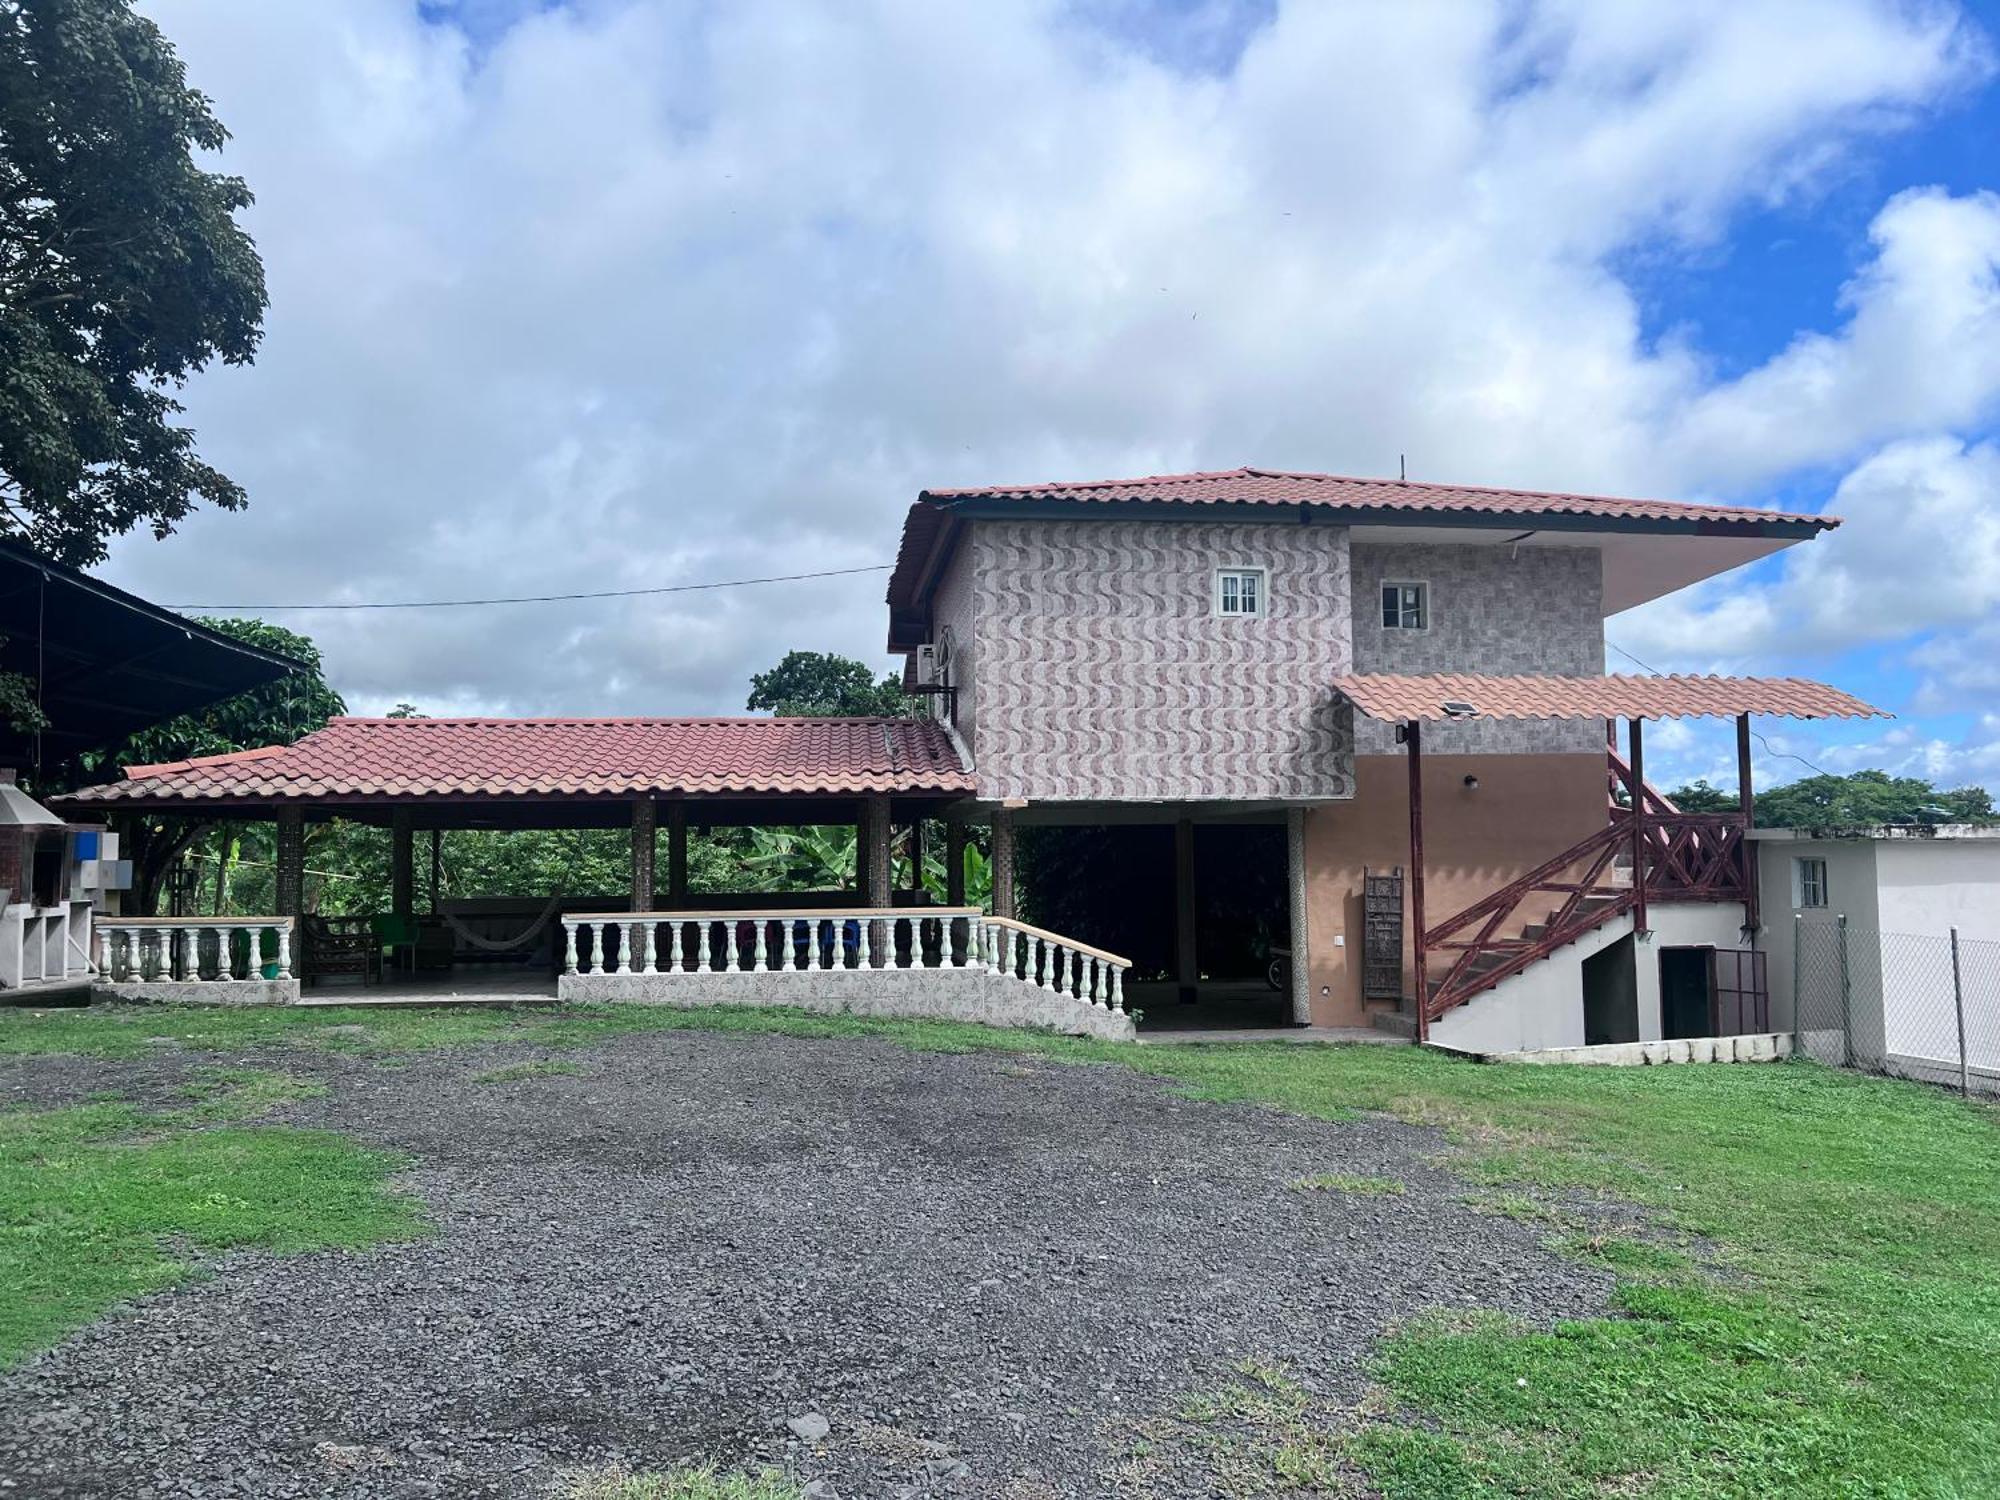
875,839
1637,733
677,855
954,863
402,863
1301,915
645,827
1003,863
1413,742
1187,962
1753,919
917,859
437,871
291,871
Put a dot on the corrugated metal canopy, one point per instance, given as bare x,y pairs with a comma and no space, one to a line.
104,664
1457,695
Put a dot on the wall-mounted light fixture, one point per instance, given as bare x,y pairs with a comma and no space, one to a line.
1471,783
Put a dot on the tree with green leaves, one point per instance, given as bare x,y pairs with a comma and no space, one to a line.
1858,800
1870,797
820,684
1699,796
123,271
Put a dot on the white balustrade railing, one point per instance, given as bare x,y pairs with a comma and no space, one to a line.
193,950
826,938
1050,961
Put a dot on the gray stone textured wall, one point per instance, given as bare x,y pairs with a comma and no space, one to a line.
1101,673
200,992
1491,609
949,994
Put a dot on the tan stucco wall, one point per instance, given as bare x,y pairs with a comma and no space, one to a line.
1526,808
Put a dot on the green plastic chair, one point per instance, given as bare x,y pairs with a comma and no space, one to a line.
397,934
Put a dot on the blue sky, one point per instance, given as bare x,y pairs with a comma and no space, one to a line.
612,293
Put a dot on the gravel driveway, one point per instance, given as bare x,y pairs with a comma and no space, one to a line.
989,1275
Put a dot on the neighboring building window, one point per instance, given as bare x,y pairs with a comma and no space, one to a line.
1406,606
1239,591
1808,882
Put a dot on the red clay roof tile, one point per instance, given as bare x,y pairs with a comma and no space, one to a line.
373,758
1398,698
1277,487
1390,497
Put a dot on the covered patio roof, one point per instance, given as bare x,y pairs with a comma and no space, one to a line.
356,764
1447,696
104,663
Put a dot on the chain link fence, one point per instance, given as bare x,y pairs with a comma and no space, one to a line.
1900,1003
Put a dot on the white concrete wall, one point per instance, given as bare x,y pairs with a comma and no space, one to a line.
1934,885
1850,876
1924,889
1541,1008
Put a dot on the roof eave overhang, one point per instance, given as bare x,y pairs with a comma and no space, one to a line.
916,578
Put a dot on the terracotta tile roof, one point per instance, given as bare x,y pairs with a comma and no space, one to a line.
400,758
1386,696
1275,487
1388,499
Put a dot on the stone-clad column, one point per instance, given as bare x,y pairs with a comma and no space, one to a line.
645,826
1295,888
1003,863
402,863
291,873
875,840
877,889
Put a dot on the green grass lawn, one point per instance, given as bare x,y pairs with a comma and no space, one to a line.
1830,1326
93,1199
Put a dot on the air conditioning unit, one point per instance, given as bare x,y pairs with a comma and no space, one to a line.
927,658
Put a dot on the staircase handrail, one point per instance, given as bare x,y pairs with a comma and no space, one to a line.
1508,895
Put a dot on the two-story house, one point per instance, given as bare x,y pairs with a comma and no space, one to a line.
1213,648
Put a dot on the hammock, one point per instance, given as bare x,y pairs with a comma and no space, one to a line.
520,939
533,930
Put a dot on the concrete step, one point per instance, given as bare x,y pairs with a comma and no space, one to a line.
1396,1024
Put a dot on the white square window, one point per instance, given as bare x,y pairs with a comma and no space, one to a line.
1808,881
1406,606
1239,591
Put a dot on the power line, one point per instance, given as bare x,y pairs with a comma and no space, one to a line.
1755,734
671,588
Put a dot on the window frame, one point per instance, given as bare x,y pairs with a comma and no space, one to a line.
1240,570
1423,587
1801,887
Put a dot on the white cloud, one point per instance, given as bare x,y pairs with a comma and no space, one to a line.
1921,349
1918,549
630,293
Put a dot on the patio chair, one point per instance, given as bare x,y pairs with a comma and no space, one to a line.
341,945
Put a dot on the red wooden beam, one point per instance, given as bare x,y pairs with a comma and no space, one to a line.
1413,743
1638,826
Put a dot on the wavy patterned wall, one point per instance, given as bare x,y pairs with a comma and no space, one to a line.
1103,675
